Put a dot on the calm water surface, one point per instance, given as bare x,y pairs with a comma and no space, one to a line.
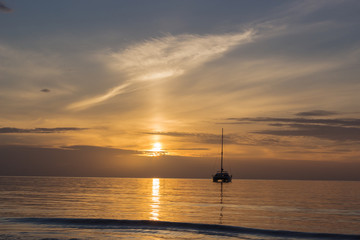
30,204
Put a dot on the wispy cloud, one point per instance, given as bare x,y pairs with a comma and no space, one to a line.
336,133
34,64
201,137
191,149
332,122
4,8
39,130
98,99
25,73
316,113
163,58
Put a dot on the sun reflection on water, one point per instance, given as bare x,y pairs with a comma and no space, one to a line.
155,199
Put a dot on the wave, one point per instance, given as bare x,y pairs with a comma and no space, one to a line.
212,229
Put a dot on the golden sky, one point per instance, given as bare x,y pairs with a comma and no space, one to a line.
133,82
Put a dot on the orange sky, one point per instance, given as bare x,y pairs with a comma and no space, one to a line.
160,80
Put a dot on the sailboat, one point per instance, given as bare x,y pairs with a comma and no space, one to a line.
222,176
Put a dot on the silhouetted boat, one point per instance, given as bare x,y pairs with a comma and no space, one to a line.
222,176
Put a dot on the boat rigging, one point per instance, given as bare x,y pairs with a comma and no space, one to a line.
222,176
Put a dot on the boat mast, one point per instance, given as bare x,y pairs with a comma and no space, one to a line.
222,149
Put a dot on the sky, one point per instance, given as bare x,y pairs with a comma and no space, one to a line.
143,88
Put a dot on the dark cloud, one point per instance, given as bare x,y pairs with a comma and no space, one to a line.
39,130
66,161
91,161
4,8
336,133
207,138
315,113
332,129
94,161
349,122
88,148
173,134
276,124
201,137
45,90
191,149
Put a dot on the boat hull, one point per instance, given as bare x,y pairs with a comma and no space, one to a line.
222,177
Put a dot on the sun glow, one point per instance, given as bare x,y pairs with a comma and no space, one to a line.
156,151
156,147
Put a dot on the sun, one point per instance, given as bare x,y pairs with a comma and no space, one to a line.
156,147
156,150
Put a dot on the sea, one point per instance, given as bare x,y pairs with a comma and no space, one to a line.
52,208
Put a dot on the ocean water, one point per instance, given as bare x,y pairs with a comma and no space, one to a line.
130,208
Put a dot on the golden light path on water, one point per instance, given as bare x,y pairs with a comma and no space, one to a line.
155,204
